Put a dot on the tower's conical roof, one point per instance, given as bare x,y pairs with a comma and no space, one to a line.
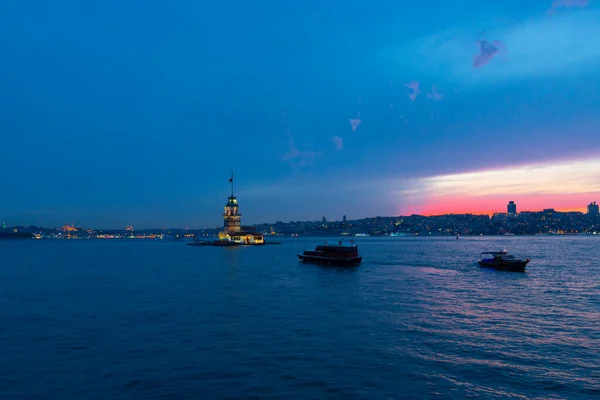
231,202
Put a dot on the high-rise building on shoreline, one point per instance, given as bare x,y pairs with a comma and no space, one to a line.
512,208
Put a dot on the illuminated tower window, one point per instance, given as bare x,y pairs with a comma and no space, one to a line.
232,219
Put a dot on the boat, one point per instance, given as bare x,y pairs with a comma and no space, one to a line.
339,255
502,260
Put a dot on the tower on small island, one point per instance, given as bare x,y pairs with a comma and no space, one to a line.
232,223
232,217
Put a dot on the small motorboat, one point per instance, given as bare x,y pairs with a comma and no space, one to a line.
502,260
332,255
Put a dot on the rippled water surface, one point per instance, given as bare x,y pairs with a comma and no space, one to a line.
418,319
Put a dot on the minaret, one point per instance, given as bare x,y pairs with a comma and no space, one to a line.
232,218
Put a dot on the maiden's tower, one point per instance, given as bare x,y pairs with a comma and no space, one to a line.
232,224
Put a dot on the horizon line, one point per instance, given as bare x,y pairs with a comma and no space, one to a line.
488,213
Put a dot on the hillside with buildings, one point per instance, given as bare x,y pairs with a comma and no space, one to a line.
547,221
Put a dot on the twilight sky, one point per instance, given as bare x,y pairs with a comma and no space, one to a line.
135,112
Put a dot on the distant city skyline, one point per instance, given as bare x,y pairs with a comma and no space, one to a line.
590,209
547,221
117,114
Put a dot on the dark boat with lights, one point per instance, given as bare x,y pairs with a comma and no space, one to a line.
503,261
340,255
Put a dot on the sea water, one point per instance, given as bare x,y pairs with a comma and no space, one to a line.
135,319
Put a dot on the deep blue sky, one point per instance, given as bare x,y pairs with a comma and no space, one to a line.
135,112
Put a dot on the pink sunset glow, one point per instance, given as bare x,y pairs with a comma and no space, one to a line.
492,204
565,186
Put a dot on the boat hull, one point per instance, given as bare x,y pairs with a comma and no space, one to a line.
514,266
341,262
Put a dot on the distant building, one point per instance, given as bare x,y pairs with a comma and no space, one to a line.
129,228
593,209
512,208
68,228
232,224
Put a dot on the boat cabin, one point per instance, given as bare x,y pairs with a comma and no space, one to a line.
334,251
495,255
332,255
502,260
